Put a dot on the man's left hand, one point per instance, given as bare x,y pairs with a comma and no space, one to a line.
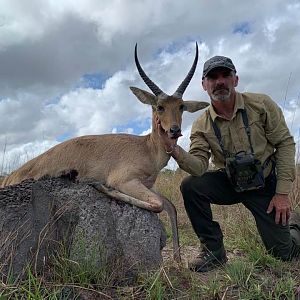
282,206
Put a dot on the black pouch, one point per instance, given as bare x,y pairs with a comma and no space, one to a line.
245,172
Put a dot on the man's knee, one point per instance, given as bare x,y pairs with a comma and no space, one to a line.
193,189
186,185
202,184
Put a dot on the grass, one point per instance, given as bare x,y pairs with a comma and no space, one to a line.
249,274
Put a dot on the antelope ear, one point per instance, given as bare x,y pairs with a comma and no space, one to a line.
144,96
192,106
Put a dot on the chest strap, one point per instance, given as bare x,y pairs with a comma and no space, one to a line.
248,132
218,133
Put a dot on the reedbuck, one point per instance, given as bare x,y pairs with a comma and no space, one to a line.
124,166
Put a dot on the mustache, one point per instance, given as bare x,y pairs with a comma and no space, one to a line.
220,88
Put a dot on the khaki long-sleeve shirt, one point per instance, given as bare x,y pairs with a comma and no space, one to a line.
269,134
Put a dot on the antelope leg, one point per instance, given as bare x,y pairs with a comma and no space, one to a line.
172,213
135,193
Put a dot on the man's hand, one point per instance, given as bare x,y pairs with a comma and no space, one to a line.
168,142
282,205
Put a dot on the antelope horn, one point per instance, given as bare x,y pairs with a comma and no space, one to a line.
153,87
179,92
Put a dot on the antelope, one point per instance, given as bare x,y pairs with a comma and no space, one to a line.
123,166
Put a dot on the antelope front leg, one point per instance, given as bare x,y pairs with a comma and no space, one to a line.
133,192
158,203
136,189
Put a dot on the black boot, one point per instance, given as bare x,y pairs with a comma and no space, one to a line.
208,260
295,230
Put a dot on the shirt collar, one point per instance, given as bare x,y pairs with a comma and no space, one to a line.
239,105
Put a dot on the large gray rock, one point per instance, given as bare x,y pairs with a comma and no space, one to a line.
37,217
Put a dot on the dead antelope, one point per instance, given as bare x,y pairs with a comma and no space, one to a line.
126,166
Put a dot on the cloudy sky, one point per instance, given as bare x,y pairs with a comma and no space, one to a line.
66,66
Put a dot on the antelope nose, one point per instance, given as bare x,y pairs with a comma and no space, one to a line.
175,130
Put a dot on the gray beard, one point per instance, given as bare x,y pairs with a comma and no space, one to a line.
222,98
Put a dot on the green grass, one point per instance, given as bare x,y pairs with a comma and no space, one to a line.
250,273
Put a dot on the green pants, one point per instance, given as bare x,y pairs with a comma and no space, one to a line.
214,188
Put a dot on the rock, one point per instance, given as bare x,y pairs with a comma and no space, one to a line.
37,217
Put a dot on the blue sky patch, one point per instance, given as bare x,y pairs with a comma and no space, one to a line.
93,81
138,126
243,28
63,137
176,45
53,100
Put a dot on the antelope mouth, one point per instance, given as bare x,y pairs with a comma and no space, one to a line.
174,135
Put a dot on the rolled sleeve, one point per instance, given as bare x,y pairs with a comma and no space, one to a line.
195,162
277,133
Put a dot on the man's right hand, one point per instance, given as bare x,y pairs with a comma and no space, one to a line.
282,206
170,144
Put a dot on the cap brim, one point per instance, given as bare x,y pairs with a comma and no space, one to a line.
215,67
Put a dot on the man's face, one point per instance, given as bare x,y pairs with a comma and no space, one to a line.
220,83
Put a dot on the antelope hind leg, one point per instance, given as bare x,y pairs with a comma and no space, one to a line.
172,213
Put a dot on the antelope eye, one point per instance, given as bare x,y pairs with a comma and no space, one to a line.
182,107
160,108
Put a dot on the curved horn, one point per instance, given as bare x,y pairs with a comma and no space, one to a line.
179,92
153,87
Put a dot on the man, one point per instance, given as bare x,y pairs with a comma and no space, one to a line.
253,153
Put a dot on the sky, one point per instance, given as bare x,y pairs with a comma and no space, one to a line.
66,66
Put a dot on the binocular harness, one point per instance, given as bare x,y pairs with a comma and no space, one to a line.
244,171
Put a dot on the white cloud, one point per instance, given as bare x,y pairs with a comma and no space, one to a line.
13,157
47,46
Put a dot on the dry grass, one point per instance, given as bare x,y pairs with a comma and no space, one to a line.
168,183
241,241
249,274
231,218
295,194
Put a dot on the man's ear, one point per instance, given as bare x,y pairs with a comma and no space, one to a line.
236,81
192,106
204,84
144,96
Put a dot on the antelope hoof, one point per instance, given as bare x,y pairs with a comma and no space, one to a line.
177,257
69,174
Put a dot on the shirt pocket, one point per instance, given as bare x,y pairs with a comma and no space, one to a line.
218,158
213,140
257,131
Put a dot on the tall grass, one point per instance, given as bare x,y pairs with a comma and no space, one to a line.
250,273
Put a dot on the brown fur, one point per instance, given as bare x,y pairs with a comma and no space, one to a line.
129,164
121,161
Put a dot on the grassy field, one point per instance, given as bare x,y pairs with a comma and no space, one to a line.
249,274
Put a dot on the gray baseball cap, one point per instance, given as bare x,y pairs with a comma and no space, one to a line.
217,62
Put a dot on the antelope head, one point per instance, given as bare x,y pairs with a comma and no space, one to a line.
169,109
